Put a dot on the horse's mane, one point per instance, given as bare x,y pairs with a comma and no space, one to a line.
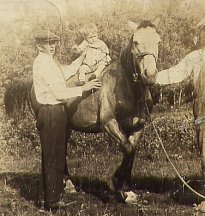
145,24
126,56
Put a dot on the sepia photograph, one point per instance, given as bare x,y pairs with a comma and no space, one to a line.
102,107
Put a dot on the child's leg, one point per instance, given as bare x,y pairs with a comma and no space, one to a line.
97,72
82,71
81,74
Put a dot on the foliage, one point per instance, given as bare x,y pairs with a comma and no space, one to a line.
86,152
176,30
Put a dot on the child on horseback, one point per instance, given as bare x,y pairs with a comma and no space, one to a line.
97,54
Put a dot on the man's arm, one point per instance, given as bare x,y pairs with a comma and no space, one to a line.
72,69
179,72
64,93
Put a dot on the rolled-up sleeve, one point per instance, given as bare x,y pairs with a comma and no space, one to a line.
72,69
179,72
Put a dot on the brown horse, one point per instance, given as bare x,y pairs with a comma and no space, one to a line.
119,107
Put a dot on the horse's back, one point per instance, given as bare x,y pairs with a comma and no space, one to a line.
88,111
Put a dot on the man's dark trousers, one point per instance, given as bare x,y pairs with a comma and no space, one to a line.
52,127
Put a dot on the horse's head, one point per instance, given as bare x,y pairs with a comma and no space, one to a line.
142,52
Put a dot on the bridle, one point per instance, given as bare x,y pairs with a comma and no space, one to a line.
139,57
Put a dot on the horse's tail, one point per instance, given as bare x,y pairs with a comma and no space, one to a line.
17,96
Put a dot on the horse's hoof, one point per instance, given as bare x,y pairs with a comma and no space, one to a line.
131,197
69,187
119,195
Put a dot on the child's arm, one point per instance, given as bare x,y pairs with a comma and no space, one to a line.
82,47
72,69
105,52
77,50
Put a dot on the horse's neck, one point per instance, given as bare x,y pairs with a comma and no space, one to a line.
131,88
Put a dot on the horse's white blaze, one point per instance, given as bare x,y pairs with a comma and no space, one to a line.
147,40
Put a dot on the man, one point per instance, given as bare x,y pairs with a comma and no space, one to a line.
193,62
51,92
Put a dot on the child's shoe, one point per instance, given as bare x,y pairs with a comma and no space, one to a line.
80,83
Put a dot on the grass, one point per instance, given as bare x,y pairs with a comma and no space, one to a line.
93,159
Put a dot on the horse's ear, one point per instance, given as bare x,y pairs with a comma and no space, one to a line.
132,25
156,21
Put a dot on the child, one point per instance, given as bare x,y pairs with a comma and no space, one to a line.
97,54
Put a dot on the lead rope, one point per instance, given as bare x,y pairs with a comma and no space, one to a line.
168,158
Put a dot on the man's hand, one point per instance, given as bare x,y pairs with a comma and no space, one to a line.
93,84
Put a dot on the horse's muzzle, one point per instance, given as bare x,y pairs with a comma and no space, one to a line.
148,80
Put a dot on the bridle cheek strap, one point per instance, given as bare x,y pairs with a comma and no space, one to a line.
139,57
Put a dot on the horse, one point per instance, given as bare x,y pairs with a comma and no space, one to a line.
119,107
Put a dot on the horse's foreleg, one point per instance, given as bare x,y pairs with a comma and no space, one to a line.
113,129
127,163
116,183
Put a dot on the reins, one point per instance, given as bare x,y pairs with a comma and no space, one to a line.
168,158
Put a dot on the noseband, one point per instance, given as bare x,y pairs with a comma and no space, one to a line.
139,57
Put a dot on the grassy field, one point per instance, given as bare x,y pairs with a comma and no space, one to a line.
92,160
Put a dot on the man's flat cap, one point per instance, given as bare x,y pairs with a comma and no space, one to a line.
46,36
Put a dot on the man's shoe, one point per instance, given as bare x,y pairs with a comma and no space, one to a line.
80,83
55,206
93,76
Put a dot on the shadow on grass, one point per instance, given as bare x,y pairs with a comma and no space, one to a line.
177,190
28,185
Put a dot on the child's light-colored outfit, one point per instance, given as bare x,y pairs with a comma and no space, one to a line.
96,58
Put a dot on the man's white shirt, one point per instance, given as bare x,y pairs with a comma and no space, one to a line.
50,80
